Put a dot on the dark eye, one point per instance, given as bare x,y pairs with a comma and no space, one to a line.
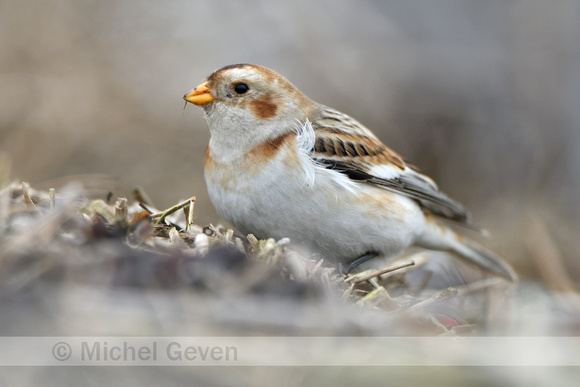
241,88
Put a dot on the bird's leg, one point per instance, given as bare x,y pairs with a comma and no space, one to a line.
363,258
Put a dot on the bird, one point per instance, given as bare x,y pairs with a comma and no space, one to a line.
280,165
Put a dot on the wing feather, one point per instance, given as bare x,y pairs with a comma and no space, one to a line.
354,151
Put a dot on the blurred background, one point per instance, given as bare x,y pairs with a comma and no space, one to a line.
482,96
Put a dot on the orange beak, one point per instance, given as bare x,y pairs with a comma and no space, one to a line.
199,95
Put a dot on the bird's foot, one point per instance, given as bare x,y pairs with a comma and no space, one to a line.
363,258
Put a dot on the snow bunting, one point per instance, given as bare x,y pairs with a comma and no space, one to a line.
281,165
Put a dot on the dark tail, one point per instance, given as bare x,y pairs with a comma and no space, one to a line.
484,258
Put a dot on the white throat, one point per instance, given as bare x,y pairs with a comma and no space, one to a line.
234,133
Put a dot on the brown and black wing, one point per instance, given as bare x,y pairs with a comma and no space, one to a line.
344,145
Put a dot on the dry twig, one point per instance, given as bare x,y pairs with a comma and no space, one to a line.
357,280
160,216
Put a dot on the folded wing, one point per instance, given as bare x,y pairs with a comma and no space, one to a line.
344,145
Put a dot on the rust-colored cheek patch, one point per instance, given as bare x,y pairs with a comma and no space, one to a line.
263,108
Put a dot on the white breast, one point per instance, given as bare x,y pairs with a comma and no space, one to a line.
290,196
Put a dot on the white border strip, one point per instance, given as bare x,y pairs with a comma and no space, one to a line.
289,351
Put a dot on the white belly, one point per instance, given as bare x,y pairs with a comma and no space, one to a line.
276,201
